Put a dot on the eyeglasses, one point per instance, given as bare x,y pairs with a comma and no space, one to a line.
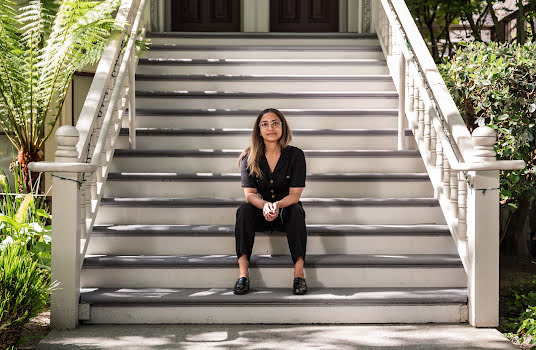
274,124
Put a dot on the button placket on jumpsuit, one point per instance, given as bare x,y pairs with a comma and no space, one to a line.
289,172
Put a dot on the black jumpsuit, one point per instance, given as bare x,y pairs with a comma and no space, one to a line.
289,172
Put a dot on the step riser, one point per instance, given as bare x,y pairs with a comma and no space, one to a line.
213,245
254,85
272,314
230,165
274,277
227,216
310,142
265,41
261,103
301,122
258,54
263,69
232,189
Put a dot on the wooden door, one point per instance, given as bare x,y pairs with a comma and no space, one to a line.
205,15
304,15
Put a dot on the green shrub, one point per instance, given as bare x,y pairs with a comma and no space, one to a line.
24,290
24,219
495,84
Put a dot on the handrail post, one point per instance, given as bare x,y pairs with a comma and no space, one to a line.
401,101
483,234
65,260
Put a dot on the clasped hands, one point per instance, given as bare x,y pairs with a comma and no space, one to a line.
270,211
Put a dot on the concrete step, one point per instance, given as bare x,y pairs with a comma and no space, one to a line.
262,305
230,138
225,99
264,51
273,271
226,161
390,185
279,39
264,82
261,66
222,211
242,118
321,239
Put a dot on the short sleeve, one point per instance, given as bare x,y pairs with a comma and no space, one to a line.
248,180
298,171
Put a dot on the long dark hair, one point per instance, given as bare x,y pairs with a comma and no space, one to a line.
256,150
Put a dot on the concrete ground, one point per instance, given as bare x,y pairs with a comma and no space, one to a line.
321,337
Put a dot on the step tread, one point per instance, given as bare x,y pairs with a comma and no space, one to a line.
235,153
254,112
272,35
261,61
247,131
135,176
263,77
274,296
257,47
247,94
225,261
312,230
235,202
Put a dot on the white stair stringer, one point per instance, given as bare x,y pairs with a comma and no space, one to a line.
162,250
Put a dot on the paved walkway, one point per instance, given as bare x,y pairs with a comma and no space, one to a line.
267,337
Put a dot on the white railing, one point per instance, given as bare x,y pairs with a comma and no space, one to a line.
83,158
462,167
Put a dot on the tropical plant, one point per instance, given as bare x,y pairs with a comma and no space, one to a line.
495,85
24,290
23,218
43,42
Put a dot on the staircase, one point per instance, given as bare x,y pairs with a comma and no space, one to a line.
162,250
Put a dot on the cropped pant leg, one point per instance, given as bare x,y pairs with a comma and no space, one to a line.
293,218
248,220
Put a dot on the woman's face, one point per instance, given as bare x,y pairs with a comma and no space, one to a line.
271,127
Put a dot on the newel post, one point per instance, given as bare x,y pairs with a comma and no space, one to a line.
483,234
65,234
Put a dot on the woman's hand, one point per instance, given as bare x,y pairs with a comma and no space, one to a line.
271,211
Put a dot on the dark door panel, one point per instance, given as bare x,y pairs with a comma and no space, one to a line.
304,15
205,15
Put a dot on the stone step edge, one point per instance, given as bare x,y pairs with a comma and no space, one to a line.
312,230
235,177
274,35
244,94
252,113
250,77
235,202
210,153
256,47
274,261
260,62
272,296
237,131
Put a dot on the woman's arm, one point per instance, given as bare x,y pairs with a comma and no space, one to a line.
292,198
253,198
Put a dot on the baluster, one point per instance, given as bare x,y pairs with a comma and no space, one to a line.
416,97
462,206
433,141
454,191
427,131
446,177
93,187
420,115
439,164
89,209
411,90
83,233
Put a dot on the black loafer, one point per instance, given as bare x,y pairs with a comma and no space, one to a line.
241,286
299,287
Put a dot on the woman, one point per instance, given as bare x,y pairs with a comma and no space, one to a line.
273,178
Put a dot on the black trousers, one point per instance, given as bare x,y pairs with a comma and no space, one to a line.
291,220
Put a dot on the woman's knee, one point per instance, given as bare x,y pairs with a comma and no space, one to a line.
296,211
246,209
